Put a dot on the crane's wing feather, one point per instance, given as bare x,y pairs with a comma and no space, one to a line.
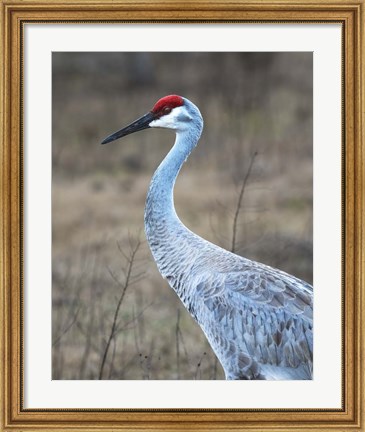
255,317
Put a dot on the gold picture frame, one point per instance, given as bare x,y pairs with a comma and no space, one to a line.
14,15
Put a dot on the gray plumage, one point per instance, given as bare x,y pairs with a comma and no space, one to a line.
257,319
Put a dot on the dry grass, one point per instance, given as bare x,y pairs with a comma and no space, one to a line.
99,191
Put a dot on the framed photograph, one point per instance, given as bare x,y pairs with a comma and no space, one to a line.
209,276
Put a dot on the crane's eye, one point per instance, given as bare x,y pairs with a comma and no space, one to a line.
166,110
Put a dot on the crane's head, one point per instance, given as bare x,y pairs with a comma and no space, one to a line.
170,112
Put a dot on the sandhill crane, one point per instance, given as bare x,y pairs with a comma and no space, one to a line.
257,319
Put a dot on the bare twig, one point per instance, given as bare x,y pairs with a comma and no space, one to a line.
113,357
177,330
135,335
84,368
67,328
219,237
181,338
86,334
130,261
239,202
127,325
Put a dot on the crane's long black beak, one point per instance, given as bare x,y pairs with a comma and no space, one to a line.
138,125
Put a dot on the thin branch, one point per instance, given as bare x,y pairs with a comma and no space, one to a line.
135,318
125,256
181,338
220,238
112,360
67,328
88,333
116,313
239,202
177,329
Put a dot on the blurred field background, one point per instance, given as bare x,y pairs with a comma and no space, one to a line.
251,103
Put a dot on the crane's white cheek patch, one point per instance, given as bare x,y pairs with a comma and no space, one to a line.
163,122
172,120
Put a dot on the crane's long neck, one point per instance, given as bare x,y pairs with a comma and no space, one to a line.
160,211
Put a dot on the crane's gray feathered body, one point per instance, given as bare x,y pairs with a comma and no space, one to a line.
257,319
